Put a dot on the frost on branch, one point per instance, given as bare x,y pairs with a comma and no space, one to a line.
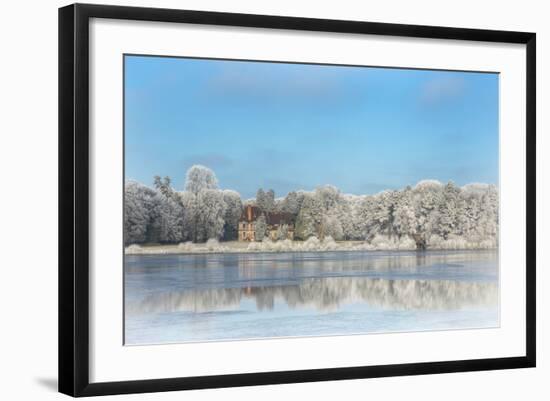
199,178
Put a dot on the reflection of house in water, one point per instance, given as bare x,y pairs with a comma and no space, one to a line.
329,293
276,223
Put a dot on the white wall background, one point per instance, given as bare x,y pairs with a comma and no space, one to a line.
28,201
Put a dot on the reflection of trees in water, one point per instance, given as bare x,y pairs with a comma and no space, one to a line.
341,261
329,294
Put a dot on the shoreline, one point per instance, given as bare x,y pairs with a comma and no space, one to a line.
234,247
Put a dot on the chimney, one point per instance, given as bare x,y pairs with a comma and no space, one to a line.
249,212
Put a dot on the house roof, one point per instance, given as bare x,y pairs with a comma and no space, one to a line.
251,213
278,218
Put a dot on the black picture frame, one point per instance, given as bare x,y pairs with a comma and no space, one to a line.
74,198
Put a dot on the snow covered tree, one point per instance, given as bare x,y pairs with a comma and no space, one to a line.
265,200
261,228
488,220
282,232
188,201
269,201
426,200
357,216
379,214
444,216
233,212
332,227
166,220
291,204
310,217
328,196
404,222
210,212
260,199
469,218
138,206
344,213
199,178
164,187
448,211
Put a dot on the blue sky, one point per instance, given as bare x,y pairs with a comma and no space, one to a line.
297,126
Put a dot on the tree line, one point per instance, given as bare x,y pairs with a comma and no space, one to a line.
428,212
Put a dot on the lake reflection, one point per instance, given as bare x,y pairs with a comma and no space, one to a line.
329,294
178,298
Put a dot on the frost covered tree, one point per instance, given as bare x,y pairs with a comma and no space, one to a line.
318,214
328,196
480,216
429,213
404,221
309,218
448,211
359,208
344,213
261,228
188,200
291,204
358,224
265,200
150,216
164,187
489,214
166,220
269,201
332,227
199,178
233,212
282,232
138,206
210,213
379,214
426,200
260,198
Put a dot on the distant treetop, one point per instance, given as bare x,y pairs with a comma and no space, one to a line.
200,177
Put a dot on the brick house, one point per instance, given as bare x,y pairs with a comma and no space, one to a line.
274,220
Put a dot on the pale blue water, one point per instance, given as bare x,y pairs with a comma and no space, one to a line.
182,298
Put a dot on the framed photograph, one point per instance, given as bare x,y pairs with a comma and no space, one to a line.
251,199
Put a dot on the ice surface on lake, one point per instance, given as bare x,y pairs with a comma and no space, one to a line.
182,298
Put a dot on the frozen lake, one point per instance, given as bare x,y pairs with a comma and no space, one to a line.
183,298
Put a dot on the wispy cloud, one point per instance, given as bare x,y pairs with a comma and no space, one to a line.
272,157
212,160
441,89
275,81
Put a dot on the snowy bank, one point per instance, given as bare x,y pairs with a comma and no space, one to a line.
313,244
